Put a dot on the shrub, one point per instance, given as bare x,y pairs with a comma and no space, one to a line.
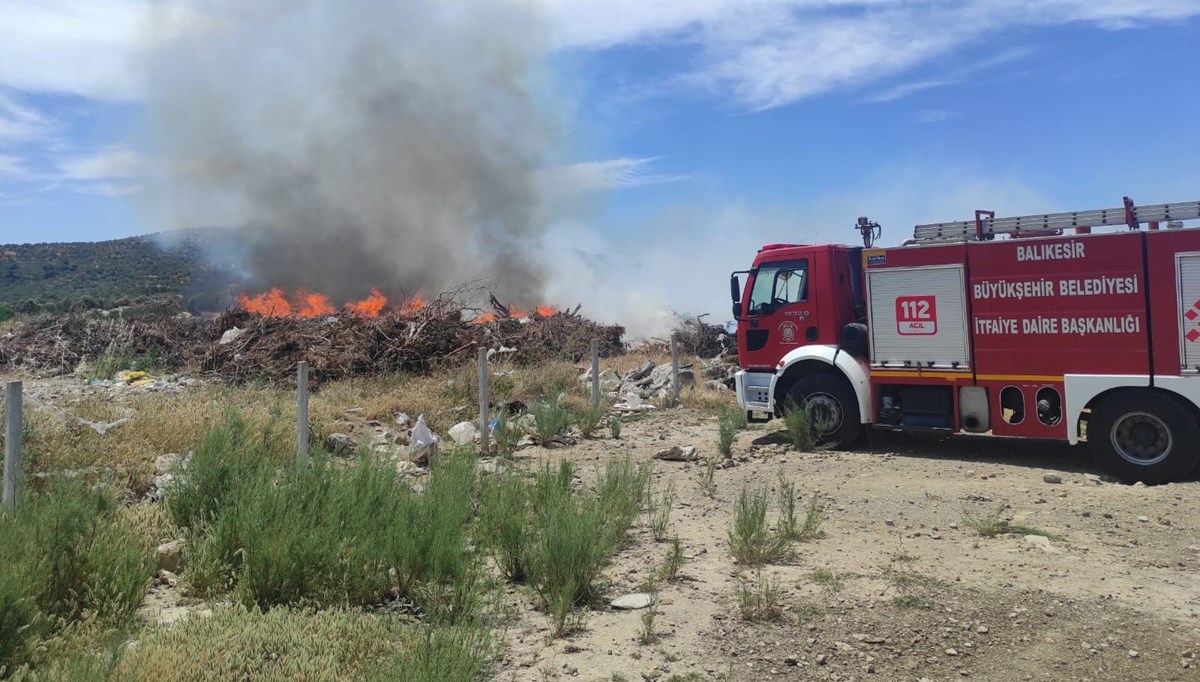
504,523
737,417
330,535
993,524
669,570
507,435
799,428
620,493
646,634
443,655
614,426
66,558
707,477
229,455
6,312
725,434
660,512
575,534
553,420
761,602
753,543
589,420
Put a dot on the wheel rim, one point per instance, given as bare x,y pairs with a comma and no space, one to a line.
1141,438
824,412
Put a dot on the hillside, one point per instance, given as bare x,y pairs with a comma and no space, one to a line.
62,276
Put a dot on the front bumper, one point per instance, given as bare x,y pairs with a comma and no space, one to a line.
755,391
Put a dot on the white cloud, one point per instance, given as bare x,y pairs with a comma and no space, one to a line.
768,53
905,89
12,168
106,163
20,123
77,47
936,115
610,174
108,189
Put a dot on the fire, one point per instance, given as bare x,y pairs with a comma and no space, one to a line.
515,313
312,305
271,304
486,318
370,306
413,305
277,303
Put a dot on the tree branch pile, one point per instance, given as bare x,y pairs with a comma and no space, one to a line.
239,346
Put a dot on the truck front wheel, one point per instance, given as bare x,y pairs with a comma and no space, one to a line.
832,408
1145,436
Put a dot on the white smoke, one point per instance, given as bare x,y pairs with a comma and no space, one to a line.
392,144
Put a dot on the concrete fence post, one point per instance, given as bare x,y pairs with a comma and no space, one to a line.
302,414
675,369
483,401
595,373
12,445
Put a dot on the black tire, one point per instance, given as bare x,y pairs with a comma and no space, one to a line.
1145,436
832,406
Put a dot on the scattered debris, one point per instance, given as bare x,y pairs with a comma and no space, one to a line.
678,454
633,602
340,444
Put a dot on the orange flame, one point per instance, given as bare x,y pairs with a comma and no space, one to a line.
545,311
413,305
516,314
313,305
370,306
486,318
271,304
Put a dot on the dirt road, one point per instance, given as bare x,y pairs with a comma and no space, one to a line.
899,587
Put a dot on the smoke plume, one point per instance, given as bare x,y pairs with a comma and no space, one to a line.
358,144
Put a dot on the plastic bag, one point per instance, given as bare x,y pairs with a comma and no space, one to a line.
424,442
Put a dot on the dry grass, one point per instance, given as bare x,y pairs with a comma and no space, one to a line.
160,423
706,399
279,644
163,423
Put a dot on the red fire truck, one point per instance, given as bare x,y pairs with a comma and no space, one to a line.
1025,327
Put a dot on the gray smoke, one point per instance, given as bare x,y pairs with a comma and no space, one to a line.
358,143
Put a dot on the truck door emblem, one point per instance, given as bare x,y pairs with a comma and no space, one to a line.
1194,312
916,315
788,330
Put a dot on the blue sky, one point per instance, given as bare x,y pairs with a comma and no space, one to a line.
717,123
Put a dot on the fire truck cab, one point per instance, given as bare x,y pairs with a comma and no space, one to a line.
1029,327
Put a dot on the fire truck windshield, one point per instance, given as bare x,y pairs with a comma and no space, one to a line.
777,285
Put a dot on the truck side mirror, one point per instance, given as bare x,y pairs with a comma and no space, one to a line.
735,291
737,310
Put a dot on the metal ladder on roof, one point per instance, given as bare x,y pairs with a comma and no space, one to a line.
986,225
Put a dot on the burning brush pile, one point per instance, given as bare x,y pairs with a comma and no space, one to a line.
267,334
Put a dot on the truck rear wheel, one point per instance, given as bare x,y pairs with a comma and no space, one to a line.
1145,436
832,408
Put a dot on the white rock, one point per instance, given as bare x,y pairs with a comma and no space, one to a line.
170,556
230,336
1043,543
678,454
463,433
165,464
632,602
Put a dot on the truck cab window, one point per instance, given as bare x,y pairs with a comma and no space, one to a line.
777,285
